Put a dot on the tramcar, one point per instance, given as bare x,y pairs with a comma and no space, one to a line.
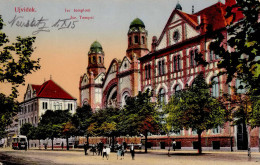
19,142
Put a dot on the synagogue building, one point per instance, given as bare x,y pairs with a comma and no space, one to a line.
168,67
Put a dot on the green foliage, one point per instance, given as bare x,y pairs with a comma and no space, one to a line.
82,119
52,122
105,122
28,130
15,64
139,116
9,107
195,108
242,60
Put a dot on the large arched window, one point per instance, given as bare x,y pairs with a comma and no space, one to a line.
177,89
215,87
162,95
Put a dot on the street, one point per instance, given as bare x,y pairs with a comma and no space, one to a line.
154,157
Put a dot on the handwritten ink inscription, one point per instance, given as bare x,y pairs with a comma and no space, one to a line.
45,25
42,24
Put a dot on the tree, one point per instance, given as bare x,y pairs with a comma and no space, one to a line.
242,60
195,108
139,116
105,123
82,120
52,123
28,130
15,64
68,131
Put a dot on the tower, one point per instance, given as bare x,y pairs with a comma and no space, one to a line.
137,39
96,59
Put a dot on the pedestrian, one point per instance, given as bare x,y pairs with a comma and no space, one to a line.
94,150
108,151
124,145
100,148
62,145
132,150
86,148
123,152
119,152
174,144
45,146
104,152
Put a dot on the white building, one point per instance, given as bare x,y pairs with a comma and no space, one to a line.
39,98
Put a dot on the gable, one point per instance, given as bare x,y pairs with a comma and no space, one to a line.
100,78
125,65
180,27
85,80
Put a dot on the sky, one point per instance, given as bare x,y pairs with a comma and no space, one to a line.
63,51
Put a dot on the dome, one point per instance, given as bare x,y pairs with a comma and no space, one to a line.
178,6
137,23
95,48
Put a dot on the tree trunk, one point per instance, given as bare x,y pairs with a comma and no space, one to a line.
113,143
67,142
199,141
249,142
52,143
28,144
145,143
87,140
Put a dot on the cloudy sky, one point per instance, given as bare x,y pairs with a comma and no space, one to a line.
63,51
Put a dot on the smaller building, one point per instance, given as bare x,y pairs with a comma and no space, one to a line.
40,98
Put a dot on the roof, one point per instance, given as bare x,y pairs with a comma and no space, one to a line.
50,89
137,23
214,15
95,48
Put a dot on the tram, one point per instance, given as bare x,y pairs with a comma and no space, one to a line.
19,142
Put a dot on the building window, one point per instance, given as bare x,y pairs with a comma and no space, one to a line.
193,53
143,40
89,60
136,39
35,120
130,40
211,55
25,109
70,106
240,87
161,66
32,120
44,105
57,106
216,130
94,59
35,105
99,59
176,63
177,89
162,96
215,87
147,71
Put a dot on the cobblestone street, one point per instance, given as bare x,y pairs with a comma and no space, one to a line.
158,157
